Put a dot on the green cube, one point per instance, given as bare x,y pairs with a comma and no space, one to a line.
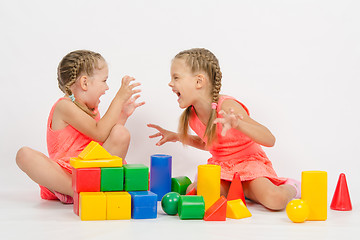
136,177
112,179
180,184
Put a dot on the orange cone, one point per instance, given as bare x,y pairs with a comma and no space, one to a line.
341,199
236,190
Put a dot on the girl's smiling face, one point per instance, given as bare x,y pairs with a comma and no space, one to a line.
97,86
183,82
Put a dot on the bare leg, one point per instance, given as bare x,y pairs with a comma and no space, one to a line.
118,141
263,191
44,171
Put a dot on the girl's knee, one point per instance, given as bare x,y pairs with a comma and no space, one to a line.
119,135
22,156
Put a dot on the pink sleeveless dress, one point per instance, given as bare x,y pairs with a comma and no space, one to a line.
62,145
235,152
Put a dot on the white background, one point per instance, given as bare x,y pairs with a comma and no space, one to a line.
294,64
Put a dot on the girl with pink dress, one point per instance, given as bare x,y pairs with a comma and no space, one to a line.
223,127
74,121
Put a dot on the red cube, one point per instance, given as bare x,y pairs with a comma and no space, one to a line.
86,179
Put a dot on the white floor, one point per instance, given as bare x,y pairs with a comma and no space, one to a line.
24,215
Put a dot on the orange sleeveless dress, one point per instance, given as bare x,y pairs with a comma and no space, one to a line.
236,152
62,145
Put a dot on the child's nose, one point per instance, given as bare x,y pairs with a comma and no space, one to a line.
171,84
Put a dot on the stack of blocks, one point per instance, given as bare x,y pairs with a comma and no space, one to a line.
208,204
104,188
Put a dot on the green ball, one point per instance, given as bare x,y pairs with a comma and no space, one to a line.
170,202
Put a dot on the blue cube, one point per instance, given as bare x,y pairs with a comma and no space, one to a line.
143,205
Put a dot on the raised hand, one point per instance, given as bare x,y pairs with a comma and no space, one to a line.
166,136
229,120
127,90
130,106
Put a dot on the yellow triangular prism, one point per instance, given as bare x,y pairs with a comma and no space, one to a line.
236,209
94,151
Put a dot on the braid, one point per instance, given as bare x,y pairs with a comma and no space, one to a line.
200,59
70,69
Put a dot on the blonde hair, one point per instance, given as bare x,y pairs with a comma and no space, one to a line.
201,59
72,66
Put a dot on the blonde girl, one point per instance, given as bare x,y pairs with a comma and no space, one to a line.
223,127
74,121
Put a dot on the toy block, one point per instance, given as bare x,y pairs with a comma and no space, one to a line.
191,207
143,205
94,151
208,184
314,192
118,205
86,179
191,192
236,209
217,212
341,199
92,206
112,179
236,190
160,174
114,161
136,177
170,203
180,184
76,203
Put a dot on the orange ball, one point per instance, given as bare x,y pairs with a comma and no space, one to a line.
297,210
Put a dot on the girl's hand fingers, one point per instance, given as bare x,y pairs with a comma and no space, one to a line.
155,135
155,126
139,104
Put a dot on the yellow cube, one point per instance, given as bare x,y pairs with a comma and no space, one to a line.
314,193
92,206
114,161
94,151
118,205
236,209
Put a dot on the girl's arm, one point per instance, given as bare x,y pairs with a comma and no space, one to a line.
168,136
235,116
85,124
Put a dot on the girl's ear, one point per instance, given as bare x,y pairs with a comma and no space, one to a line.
84,81
200,80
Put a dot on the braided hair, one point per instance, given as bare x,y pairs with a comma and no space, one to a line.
72,66
201,59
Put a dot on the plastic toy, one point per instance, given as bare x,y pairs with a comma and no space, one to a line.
208,184
136,177
236,209
192,192
191,207
86,179
94,151
341,199
180,184
112,179
160,174
118,205
314,192
217,212
92,206
236,190
297,210
82,163
170,203
143,205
